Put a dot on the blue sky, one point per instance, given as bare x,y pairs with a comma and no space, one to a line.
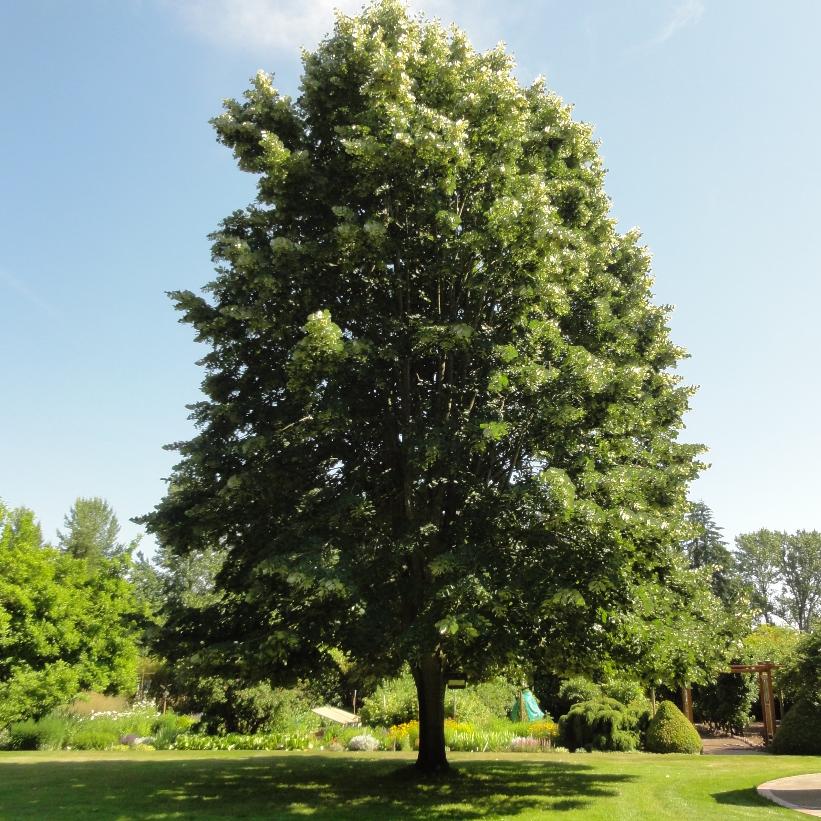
110,179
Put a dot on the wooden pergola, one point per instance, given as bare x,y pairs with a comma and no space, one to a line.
765,690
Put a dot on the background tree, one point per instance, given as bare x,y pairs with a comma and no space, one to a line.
440,423
783,571
706,548
770,642
758,556
92,531
679,633
801,674
65,625
800,576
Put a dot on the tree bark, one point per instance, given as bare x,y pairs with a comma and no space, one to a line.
430,690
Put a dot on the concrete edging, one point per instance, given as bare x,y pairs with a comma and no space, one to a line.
809,783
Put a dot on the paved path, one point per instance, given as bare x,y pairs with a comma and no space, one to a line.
729,746
798,792
732,745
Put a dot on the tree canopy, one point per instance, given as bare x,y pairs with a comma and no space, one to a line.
92,531
65,624
678,632
705,547
440,421
783,572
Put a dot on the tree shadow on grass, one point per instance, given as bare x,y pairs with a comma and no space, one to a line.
742,798
323,787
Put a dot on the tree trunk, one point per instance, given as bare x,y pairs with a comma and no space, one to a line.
430,690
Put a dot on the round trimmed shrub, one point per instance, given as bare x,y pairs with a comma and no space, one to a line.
800,730
669,731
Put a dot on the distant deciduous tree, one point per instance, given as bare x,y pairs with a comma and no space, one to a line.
759,563
92,531
65,624
783,571
800,567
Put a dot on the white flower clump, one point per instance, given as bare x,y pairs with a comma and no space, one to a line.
366,743
137,708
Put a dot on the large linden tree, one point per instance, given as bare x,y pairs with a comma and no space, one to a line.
440,419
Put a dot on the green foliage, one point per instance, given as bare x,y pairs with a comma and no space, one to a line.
725,704
600,724
48,733
98,731
239,741
669,731
230,707
481,703
91,532
266,709
783,571
427,336
758,556
801,675
800,730
97,735
706,548
800,602
576,689
678,632
168,727
769,642
392,702
627,691
66,624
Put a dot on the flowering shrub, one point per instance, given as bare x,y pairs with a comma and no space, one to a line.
543,729
403,736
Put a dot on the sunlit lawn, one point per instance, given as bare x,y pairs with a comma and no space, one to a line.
172,785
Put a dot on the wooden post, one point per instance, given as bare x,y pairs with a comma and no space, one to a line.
687,702
767,707
765,693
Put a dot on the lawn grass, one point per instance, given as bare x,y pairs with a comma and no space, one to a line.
222,785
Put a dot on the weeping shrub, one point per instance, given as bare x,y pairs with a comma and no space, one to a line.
600,724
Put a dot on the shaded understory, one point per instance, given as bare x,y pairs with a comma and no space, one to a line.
175,785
